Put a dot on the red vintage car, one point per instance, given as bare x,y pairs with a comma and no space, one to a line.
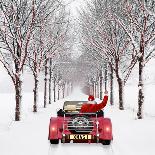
71,125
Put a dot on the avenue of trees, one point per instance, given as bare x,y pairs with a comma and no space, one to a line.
114,37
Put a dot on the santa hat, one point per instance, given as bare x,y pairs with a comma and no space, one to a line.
91,98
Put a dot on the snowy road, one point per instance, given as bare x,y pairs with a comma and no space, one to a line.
29,137
82,149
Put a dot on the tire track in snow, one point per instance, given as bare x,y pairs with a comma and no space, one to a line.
83,149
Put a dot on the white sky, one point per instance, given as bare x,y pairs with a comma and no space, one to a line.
74,5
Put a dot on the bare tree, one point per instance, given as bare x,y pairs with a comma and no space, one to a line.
17,23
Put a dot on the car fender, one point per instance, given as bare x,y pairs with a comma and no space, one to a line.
105,129
53,128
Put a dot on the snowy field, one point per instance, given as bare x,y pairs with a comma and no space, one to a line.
30,136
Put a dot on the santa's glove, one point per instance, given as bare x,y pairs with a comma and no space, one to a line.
106,93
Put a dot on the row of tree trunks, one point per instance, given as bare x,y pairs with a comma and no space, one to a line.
48,73
96,88
61,91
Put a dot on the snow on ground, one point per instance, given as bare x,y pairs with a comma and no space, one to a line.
131,99
30,136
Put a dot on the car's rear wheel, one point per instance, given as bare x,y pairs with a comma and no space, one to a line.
60,113
65,141
54,141
100,113
106,142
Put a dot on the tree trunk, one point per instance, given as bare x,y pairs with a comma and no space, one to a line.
94,89
67,88
101,85
35,91
91,89
120,88
45,87
105,76
58,91
18,85
141,82
97,90
111,85
140,92
50,80
18,97
71,87
63,91
54,88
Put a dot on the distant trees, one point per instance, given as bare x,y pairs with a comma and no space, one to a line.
60,37
47,41
107,39
62,72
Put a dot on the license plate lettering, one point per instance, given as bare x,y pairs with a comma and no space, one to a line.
80,136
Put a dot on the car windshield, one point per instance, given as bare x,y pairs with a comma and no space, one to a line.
73,106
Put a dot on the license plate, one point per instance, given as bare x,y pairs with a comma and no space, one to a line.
80,136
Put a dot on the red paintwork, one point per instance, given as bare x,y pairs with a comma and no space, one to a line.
56,126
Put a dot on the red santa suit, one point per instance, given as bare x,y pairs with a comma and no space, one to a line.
92,108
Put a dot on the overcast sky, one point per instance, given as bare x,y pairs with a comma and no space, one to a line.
74,5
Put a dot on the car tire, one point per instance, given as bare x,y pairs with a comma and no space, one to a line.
106,142
100,113
65,141
54,141
60,113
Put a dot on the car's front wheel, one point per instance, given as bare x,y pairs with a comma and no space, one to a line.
106,142
54,141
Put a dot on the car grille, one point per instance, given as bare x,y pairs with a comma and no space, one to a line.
80,124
